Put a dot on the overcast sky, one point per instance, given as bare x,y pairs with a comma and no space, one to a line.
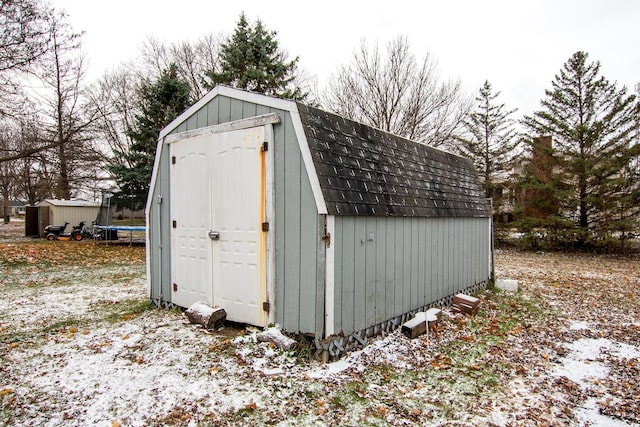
517,45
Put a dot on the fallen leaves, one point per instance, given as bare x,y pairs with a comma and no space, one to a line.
440,361
40,252
381,411
220,346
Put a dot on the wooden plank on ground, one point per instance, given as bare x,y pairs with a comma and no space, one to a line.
418,325
465,304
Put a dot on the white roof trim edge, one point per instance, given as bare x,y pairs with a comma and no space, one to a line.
257,98
308,162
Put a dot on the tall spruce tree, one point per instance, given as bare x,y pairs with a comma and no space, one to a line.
593,125
251,59
490,140
161,102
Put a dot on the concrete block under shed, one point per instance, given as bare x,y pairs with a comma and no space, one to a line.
508,285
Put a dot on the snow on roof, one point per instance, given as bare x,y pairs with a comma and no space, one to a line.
74,203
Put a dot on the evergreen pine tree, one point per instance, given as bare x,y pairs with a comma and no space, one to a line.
592,125
251,59
490,141
161,102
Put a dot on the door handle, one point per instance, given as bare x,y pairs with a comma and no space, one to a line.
214,235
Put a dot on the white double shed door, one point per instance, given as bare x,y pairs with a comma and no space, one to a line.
218,184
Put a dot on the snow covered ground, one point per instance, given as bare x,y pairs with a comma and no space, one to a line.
79,345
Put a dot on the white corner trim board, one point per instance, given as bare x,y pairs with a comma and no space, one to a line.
308,163
329,305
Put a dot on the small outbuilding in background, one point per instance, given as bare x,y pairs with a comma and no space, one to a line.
283,213
56,212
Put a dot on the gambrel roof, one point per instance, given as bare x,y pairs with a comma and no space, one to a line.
357,170
366,171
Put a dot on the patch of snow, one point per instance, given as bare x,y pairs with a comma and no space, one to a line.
273,371
246,338
579,325
581,364
584,365
275,336
330,369
581,371
201,308
139,370
589,415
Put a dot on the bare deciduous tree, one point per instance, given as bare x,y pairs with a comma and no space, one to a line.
28,173
25,33
191,59
66,115
24,39
399,94
116,99
7,173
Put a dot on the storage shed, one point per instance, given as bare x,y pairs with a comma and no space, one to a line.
283,213
56,212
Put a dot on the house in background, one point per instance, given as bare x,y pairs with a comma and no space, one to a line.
12,208
17,208
283,213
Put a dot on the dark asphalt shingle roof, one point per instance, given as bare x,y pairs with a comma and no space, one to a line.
366,171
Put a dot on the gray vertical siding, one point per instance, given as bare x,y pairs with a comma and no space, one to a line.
385,267
299,252
159,238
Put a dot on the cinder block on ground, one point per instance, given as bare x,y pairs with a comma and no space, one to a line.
508,285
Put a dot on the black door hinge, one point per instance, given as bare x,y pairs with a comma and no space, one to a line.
173,160
327,239
265,226
265,146
266,306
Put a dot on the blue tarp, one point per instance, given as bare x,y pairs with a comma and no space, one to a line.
121,227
